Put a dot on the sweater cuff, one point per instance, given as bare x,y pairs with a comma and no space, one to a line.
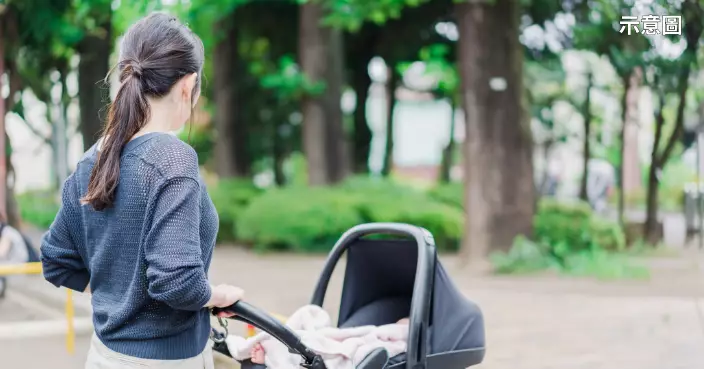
206,298
77,281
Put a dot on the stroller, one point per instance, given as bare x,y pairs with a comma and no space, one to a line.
446,331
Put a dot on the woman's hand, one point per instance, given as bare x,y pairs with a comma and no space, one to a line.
223,296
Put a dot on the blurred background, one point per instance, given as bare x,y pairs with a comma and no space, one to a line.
550,146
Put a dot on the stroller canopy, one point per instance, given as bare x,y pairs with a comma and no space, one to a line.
378,288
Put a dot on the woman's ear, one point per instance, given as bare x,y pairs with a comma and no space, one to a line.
188,85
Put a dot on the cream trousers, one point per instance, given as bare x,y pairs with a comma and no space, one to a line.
101,357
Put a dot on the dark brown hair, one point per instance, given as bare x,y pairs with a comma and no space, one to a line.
156,52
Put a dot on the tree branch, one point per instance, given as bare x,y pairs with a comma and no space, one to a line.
34,130
683,86
659,124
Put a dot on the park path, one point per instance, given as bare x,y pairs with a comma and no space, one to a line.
531,322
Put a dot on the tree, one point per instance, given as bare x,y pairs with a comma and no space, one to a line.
231,154
498,167
94,50
595,31
586,110
545,88
320,55
671,76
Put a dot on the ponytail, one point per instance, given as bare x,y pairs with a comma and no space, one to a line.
126,116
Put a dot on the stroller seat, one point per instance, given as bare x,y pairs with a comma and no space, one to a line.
387,280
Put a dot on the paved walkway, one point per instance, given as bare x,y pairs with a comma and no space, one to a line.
532,323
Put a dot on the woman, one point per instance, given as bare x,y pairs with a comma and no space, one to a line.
136,222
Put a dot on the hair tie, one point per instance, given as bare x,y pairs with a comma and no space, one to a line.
132,68
137,69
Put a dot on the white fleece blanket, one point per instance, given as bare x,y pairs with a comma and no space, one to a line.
340,348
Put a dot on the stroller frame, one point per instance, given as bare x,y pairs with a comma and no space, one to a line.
417,350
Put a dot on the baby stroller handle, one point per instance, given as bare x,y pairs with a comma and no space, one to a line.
416,354
249,314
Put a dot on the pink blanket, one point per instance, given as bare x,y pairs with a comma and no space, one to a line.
340,348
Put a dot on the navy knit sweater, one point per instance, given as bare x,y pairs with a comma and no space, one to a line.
147,256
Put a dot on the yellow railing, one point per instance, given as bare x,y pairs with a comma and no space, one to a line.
36,268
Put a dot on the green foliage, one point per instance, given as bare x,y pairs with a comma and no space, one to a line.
570,239
438,66
231,197
38,208
382,200
286,79
449,193
670,189
351,14
570,227
525,256
311,219
298,218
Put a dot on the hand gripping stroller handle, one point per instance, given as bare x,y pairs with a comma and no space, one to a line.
249,314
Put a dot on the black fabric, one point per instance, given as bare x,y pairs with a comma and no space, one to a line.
31,251
378,288
379,312
376,270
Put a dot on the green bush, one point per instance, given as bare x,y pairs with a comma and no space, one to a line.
525,256
571,239
382,200
298,218
312,219
569,227
230,197
449,193
38,208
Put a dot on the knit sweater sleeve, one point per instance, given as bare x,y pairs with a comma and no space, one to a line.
175,268
62,264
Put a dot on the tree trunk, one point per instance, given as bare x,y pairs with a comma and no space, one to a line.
8,33
3,143
586,146
231,154
362,138
448,153
93,67
631,175
337,147
60,126
320,53
650,230
279,148
651,210
547,147
391,85
622,138
498,166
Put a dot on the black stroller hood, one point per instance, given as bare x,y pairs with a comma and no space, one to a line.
378,288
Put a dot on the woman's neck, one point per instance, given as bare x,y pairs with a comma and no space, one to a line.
161,118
